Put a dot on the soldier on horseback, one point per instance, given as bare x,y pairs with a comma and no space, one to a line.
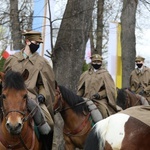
140,79
98,85
41,83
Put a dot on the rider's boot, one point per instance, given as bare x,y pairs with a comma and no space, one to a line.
47,141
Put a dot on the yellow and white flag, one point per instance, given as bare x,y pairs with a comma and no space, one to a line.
114,53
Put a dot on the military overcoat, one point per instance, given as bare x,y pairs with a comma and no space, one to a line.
140,82
100,82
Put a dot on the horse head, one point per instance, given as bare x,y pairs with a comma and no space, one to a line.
126,98
121,98
13,100
65,99
76,116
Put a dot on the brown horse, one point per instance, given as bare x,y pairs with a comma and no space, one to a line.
76,116
126,99
17,126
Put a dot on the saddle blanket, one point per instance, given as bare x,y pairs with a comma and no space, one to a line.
139,112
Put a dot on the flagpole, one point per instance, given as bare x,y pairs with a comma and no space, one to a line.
119,58
44,28
51,27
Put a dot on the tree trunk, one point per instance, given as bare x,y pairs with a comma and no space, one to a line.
15,25
91,37
128,23
71,41
99,32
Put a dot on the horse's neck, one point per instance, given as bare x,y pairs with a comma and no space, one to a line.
133,98
70,117
68,114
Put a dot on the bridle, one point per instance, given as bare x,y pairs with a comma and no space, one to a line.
24,113
5,113
26,116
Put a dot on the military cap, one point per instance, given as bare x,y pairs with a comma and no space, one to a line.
33,36
139,58
96,57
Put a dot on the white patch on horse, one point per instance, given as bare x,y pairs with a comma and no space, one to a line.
111,129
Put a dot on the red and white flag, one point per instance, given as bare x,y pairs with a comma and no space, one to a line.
5,54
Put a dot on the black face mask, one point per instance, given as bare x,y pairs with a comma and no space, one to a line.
96,66
139,65
33,47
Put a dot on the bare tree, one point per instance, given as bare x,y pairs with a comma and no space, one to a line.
15,25
99,32
16,15
71,41
128,22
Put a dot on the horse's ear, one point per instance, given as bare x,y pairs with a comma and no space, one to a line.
2,74
25,74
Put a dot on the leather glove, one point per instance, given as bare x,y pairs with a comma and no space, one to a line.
41,98
96,96
141,92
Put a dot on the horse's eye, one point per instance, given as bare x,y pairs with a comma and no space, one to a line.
3,96
25,96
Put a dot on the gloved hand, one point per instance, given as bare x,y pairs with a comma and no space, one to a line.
96,96
41,98
141,92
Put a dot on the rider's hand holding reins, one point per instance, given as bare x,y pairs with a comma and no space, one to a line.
96,96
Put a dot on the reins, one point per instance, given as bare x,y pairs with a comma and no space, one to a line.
72,106
33,138
31,114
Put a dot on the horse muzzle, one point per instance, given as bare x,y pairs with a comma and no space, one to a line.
14,128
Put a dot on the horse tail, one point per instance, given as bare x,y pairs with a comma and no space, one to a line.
94,140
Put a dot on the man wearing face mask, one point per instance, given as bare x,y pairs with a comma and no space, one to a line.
98,85
140,79
40,83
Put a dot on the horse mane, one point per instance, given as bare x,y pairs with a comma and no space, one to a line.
13,79
72,99
121,98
